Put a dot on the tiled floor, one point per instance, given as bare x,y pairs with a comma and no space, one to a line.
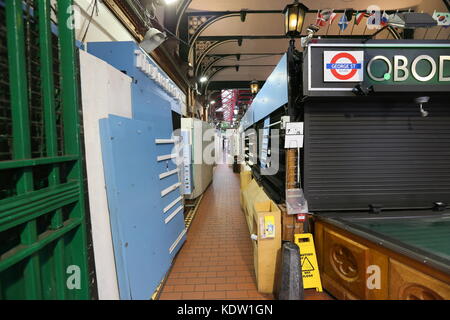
216,261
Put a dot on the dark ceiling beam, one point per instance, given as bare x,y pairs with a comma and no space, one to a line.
215,71
213,17
210,65
206,13
211,47
244,54
223,56
269,37
243,37
223,85
223,13
181,9
247,65
200,28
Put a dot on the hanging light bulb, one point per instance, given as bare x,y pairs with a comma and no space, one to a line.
254,87
294,17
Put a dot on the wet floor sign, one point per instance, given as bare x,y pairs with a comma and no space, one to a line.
310,269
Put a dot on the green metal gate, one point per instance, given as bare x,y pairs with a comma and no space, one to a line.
43,252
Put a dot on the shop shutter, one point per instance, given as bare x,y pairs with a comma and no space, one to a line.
381,153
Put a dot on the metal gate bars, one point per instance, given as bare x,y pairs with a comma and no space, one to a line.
43,253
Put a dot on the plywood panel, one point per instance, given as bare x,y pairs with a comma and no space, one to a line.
105,90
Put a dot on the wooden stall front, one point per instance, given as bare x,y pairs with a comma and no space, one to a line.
376,166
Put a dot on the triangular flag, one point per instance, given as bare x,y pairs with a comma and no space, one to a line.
333,17
343,22
442,18
358,18
326,14
323,17
320,20
384,19
396,21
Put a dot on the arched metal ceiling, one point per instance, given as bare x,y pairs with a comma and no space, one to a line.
250,33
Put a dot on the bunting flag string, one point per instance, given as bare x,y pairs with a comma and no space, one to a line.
384,19
343,23
359,17
320,20
332,18
376,19
442,18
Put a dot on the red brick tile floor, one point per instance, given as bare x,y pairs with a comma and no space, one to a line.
216,262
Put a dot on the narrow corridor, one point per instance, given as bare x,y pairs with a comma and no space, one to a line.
217,260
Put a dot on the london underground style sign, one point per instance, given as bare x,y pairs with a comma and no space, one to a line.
343,66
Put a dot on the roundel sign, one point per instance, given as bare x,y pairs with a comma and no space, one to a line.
343,66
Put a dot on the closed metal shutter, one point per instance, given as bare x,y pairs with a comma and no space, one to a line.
380,153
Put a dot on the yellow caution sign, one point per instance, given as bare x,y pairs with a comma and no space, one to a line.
310,268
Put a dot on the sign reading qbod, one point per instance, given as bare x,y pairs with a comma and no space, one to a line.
401,68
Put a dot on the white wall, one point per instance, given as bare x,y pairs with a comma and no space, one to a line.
104,27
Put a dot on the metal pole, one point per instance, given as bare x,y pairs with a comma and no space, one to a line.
21,132
72,139
48,94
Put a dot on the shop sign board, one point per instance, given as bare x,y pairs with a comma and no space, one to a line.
335,68
341,66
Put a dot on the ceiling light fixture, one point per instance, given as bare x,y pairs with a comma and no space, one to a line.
294,18
152,40
254,87
169,2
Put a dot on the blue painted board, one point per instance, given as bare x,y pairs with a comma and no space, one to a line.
273,95
142,239
145,240
247,119
122,56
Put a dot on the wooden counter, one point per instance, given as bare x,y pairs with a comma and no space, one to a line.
348,262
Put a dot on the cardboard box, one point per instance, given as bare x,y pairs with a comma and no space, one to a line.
245,179
267,251
264,220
